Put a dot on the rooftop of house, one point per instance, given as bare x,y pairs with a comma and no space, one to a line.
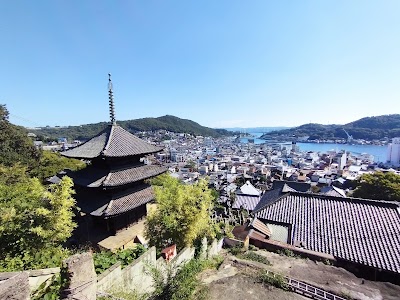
357,230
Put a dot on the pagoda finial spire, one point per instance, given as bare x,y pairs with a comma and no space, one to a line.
111,100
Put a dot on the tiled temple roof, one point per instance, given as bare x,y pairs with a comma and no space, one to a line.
129,201
117,204
114,141
357,230
96,177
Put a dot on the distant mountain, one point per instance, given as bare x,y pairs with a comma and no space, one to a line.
255,129
369,128
170,123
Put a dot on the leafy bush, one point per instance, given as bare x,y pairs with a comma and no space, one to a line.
236,250
252,247
185,284
275,280
250,255
222,229
286,252
51,291
105,259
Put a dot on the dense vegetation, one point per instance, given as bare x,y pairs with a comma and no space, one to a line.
15,146
378,186
182,215
369,128
170,123
34,220
50,163
105,259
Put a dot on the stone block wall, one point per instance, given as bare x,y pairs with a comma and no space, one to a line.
83,283
15,287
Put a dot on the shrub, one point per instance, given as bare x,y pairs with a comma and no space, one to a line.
286,252
275,280
105,259
250,255
181,286
236,250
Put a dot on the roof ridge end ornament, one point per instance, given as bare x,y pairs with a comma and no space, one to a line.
111,100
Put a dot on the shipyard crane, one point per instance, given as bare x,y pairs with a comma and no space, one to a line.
349,137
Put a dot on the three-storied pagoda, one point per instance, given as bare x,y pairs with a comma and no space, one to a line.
111,190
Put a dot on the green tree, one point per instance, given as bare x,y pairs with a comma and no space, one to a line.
34,220
15,146
378,186
182,214
51,163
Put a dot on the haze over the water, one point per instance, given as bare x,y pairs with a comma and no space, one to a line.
219,63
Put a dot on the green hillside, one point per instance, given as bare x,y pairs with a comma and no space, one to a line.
167,122
369,128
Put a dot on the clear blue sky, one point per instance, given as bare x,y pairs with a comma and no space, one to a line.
219,63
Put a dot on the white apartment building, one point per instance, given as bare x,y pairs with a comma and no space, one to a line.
393,152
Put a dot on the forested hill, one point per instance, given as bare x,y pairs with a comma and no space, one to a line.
167,122
370,128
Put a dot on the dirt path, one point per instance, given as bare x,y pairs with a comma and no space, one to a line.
337,280
243,287
236,281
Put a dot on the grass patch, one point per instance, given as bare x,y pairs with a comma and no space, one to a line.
275,280
251,255
236,250
122,295
185,284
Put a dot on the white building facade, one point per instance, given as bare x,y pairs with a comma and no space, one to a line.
393,152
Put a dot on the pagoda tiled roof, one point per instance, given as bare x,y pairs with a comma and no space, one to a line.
357,230
113,141
116,204
93,177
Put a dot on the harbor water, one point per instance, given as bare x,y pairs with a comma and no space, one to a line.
378,152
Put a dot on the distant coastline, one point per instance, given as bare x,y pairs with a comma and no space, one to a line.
378,152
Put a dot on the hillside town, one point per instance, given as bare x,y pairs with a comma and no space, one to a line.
269,197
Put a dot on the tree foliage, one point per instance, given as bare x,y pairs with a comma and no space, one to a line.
378,186
15,146
50,163
34,220
170,123
182,214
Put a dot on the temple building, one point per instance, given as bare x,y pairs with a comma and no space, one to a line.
111,191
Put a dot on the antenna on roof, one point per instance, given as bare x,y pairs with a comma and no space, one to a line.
111,100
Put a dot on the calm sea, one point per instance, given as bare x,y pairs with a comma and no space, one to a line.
379,152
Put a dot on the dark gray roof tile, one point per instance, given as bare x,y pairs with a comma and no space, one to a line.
114,141
93,177
357,230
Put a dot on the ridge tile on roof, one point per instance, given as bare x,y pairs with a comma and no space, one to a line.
113,141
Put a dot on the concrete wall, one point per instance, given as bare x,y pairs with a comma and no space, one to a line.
36,277
83,282
275,246
215,248
15,287
232,242
137,276
133,277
